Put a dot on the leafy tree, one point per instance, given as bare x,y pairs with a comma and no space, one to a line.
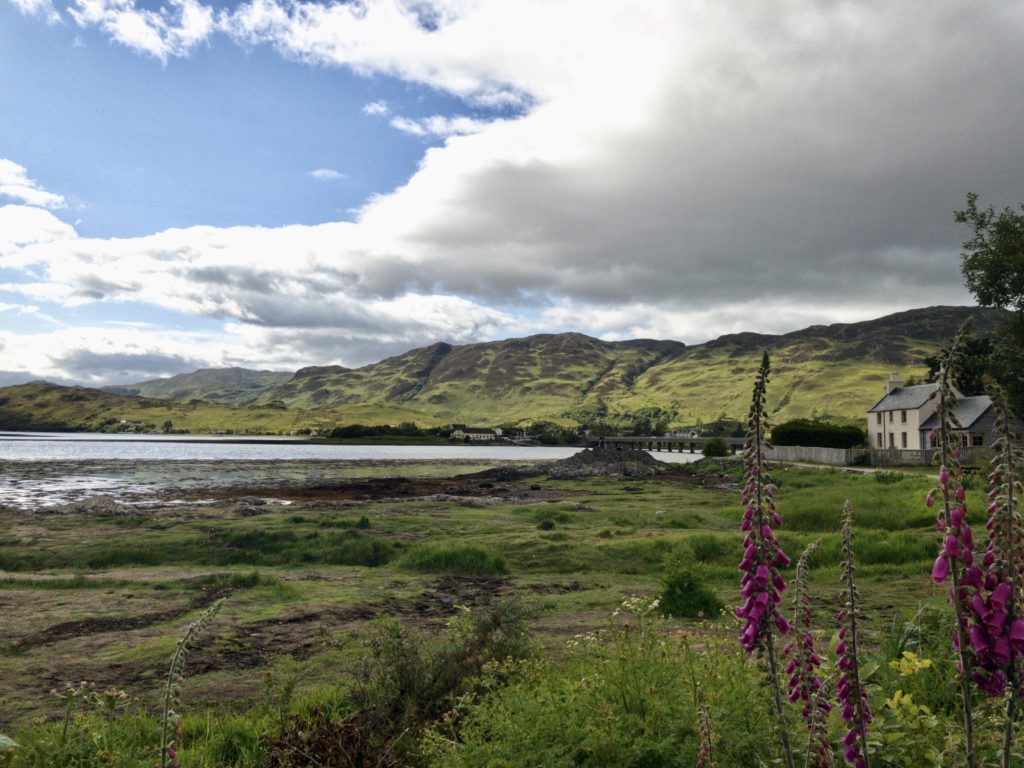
993,269
977,362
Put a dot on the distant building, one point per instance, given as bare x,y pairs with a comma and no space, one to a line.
895,421
475,435
906,417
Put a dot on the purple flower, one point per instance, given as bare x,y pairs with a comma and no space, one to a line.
852,697
761,584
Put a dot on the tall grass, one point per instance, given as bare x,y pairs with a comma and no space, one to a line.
455,559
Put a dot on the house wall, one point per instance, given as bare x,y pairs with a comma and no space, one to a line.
985,427
897,428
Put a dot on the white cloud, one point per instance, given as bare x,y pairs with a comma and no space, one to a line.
675,170
454,51
20,309
15,183
326,174
172,31
377,108
22,225
439,125
42,8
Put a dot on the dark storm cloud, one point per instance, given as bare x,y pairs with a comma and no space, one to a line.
816,169
86,365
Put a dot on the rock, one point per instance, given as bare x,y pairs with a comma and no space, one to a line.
101,505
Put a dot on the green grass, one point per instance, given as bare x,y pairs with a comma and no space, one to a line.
461,560
609,538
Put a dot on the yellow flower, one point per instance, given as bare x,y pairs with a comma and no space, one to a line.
910,664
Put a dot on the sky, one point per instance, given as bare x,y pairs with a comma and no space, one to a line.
281,183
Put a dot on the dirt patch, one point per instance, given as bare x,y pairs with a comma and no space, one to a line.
450,592
305,633
556,589
103,624
327,494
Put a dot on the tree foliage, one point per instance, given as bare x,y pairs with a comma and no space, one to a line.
977,362
817,434
993,270
993,259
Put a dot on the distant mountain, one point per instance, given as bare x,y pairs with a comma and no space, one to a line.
510,380
233,386
834,371
40,405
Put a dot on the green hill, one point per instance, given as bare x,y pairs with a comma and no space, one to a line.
234,386
40,405
835,371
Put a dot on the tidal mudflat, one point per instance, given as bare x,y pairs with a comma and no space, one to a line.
99,589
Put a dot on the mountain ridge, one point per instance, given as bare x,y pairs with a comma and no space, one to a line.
829,371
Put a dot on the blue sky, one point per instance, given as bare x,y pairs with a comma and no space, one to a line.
226,137
277,184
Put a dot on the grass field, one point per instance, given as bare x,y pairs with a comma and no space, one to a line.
104,598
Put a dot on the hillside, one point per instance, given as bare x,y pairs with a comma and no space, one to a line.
233,386
511,380
40,405
835,371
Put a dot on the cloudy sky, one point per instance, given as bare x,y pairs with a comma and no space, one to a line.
278,183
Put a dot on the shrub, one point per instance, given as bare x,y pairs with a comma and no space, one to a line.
818,434
621,697
406,681
715,448
684,595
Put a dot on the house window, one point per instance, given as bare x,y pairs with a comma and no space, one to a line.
892,440
903,417
903,438
977,438
878,418
878,436
891,415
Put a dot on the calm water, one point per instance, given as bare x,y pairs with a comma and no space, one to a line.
46,469
41,446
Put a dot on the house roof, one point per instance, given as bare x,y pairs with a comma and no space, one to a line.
475,431
905,398
967,411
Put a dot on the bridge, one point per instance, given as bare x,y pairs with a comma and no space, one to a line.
670,444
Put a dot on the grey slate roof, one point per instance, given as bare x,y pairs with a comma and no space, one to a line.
905,398
967,411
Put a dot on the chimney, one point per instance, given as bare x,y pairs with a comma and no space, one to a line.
895,381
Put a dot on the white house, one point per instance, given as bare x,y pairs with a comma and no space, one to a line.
906,417
475,435
896,420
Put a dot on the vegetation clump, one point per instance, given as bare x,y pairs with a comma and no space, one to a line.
405,683
454,559
684,594
817,434
715,448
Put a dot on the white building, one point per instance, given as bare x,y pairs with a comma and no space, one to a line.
906,417
895,421
475,435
